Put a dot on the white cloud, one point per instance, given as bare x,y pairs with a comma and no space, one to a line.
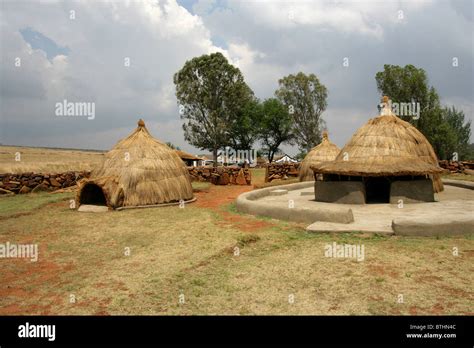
260,37
363,17
157,37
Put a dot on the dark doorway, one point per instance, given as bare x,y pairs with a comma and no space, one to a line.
92,194
377,190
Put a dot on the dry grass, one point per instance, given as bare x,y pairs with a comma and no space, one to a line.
36,159
191,252
258,175
459,176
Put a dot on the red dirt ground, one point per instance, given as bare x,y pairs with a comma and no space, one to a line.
218,196
42,272
214,198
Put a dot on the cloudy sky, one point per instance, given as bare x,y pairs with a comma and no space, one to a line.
77,51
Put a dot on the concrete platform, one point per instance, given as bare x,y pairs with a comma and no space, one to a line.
291,206
437,226
452,213
279,192
90,208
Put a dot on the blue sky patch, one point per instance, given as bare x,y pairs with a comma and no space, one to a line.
187,4
44,43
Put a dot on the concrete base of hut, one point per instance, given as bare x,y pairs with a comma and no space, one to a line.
451,214
345,192
358,192
413,191
90,208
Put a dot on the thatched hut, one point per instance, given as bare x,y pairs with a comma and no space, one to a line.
386,160
138,171
326,151
189,159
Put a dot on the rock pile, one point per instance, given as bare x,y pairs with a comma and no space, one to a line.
36,182
231,175
282,171
466,167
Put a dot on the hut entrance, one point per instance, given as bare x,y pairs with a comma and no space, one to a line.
377,190
92,194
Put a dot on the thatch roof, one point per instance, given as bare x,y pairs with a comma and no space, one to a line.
385,146
187,156
140,170
326,151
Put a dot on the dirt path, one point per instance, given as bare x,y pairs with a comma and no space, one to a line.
216,197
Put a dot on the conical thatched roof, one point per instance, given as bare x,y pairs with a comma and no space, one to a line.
326,151
385,146
140,170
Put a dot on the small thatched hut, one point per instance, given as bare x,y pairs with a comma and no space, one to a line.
326,151
138,171
188,159
386,160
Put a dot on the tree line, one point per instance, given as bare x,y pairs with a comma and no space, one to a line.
444,126
219,109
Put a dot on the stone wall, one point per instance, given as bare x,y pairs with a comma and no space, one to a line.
466,167
284,171
275,171
35,182
231,175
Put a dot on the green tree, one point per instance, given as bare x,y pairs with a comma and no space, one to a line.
244,129
274,127
444,129
210,94
470,153
409,84
305,97
442,136
461,133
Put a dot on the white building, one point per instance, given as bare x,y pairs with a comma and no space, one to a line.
285,159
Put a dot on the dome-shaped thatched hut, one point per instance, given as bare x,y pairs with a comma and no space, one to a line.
138,171
384,157
326,151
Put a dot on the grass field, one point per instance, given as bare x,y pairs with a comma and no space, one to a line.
16,159
185,261
208,259
459,176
